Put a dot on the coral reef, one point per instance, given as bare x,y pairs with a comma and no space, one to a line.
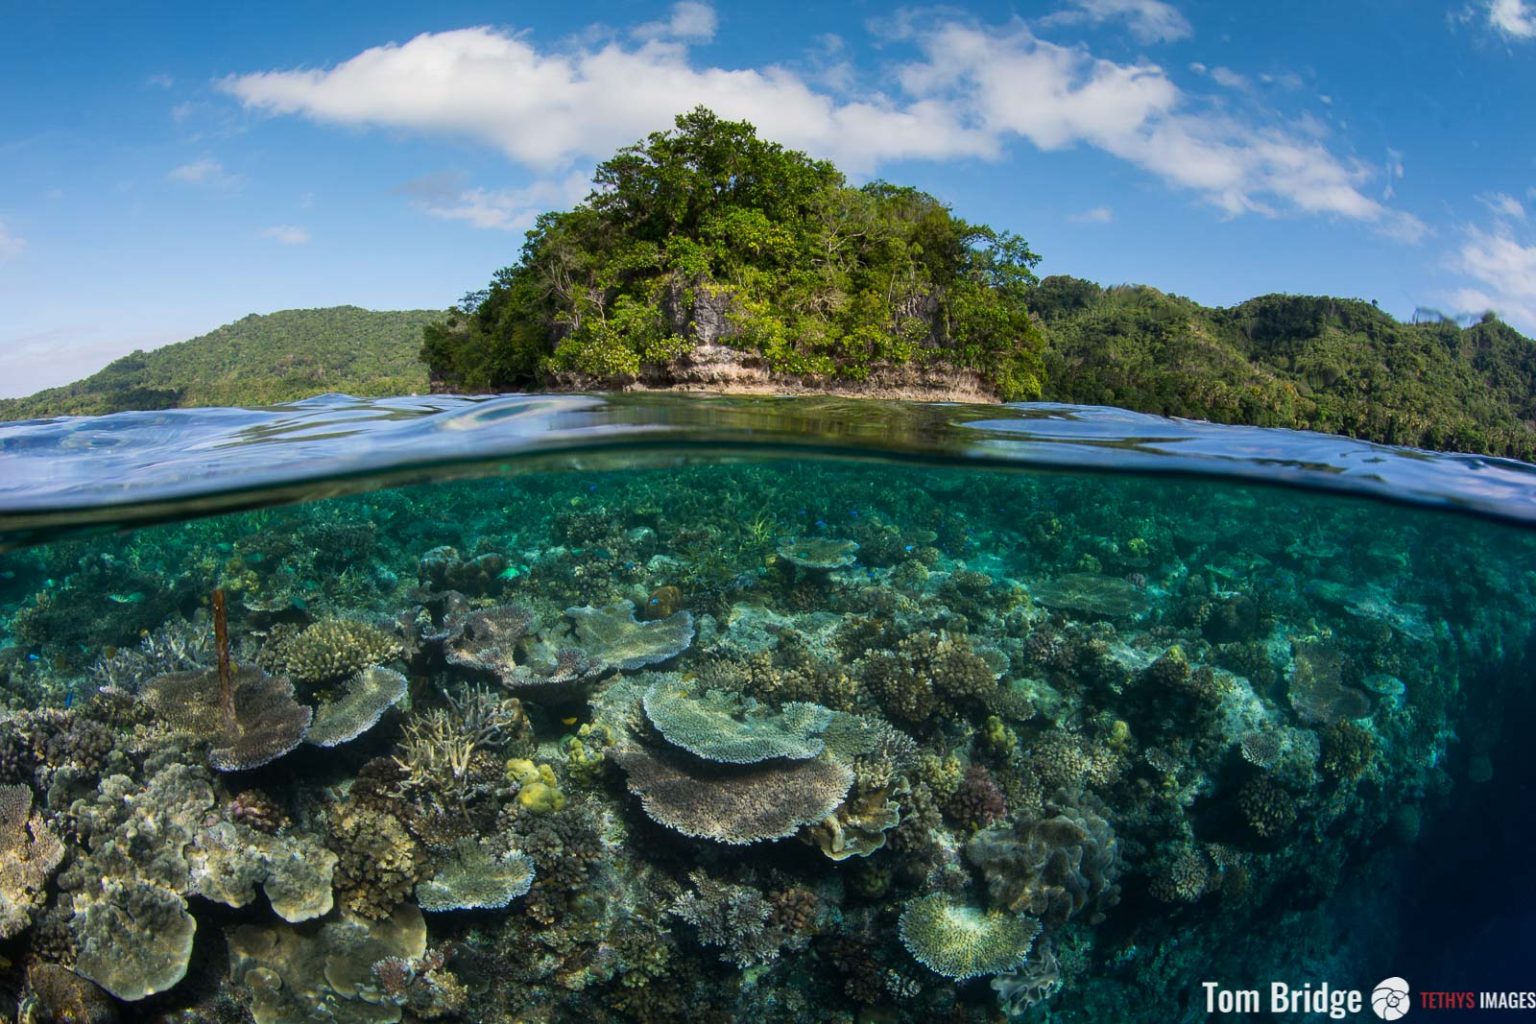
364,700
472,877
725,727
328,650
261,722
960,941
1052,868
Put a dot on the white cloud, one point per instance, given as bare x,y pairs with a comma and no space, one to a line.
160,81
286,234
1503,269
10,244
445,196
689,20
1503,205
1514,18
204,171
969,92
1149,21
1097,215
1229,78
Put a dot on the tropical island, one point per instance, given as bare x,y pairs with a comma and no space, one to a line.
708,258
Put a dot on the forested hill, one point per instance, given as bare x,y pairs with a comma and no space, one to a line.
258,360
1309,362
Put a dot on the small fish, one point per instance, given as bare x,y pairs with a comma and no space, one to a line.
569,721
133,598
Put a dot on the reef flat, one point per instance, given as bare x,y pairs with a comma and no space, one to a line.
779,740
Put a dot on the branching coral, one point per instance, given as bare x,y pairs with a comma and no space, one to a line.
438,747
960,941
328,649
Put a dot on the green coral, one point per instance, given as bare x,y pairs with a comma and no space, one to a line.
961,941
472,877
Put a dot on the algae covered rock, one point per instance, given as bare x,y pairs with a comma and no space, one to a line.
961,941
472,877
729,728
366,697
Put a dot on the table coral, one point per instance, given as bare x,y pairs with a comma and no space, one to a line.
472,877
961,941
366,697
267,722
731,729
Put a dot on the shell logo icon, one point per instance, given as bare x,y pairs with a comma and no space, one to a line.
1390,999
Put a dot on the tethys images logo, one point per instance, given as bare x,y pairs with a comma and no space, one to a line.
1390,999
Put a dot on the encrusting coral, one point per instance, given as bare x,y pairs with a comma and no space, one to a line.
30,852
1052,868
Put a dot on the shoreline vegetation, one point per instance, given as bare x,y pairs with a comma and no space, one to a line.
707,259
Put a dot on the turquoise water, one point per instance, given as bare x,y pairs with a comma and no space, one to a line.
658,708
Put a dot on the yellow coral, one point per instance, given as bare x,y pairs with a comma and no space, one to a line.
540,789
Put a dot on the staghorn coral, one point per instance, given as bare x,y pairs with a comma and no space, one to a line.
328,650
441,750
727,728
734,805
30,852
960,941
472,877
367,695
295,975
260,724
1053,868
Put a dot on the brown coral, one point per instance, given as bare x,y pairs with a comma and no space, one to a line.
327,650
734,805
1270,810
1052,868
378,862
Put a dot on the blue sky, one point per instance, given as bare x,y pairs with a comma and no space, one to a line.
165,168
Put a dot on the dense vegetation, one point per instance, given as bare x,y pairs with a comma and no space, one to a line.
1336,365
709,233
255,361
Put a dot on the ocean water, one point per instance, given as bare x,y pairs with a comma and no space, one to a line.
653,708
